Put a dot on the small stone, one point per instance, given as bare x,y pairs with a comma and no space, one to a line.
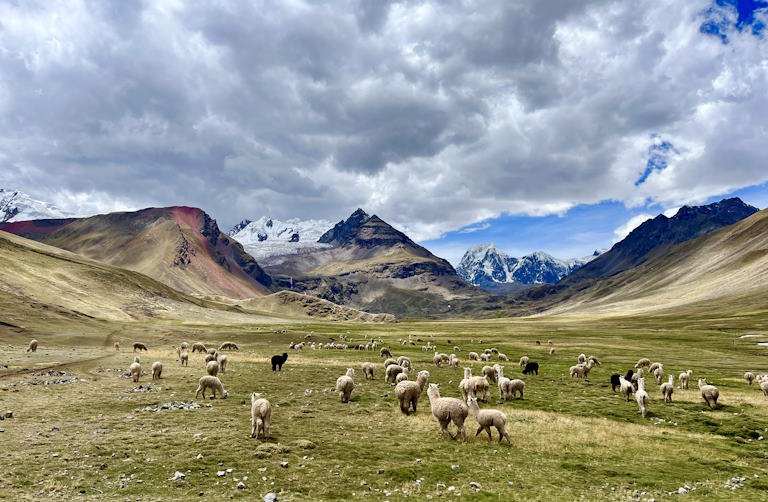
241,486
284,464
2,430
380,471
455,467
511,484
451,488
9,414
199,456
475,485
270,497
177,475
229,471
220,473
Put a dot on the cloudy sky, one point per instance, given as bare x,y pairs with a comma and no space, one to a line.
538,124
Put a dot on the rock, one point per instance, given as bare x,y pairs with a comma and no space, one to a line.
270,497
455,467
451,488
475,485
229,471
9,414
2,430
284,464
305,444
220,473
241,486
177,475
199,456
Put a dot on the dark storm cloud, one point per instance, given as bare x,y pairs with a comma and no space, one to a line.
435,114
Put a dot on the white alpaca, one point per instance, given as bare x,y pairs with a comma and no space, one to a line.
641,396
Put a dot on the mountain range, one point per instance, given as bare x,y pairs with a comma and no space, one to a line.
651,238
18,206
362,264
489,268
267,236
722,272
371,265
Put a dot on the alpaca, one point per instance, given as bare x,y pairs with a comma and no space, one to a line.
684,377
644,362
530,368
582,359
278,361
710,393
667,389
447,409
625,387
139,346
487,419
659,373
261,415
489,373
117,346
523,361
223,360
213,383
641,396
157,370
32,347
409,392
749,377
368,370
345,384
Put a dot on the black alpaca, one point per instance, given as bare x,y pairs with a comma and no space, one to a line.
615,379
531,368
278,361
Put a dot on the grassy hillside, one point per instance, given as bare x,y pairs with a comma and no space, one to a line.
570,439
725,272
179,246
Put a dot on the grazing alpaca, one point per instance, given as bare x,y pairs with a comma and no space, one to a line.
531,368
710,393
139,346
278,361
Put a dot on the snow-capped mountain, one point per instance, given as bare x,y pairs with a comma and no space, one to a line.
267,236
18,206
486,266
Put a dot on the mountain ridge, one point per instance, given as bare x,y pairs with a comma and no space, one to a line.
488,267
180,246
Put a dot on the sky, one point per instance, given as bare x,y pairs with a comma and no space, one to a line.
551,125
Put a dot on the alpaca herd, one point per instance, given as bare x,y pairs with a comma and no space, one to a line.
447,410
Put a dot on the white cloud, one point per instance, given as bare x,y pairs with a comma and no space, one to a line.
622,231
475,228
435,115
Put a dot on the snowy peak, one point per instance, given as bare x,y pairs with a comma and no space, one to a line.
267,236
18,206
485,265
237,228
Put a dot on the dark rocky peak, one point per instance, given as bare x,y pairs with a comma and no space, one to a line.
365,231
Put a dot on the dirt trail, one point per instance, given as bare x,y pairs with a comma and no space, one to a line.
60,366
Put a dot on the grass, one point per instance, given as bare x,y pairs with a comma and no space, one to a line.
570,439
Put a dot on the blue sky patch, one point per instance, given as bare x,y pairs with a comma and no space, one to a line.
577,233
719,17
657,158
